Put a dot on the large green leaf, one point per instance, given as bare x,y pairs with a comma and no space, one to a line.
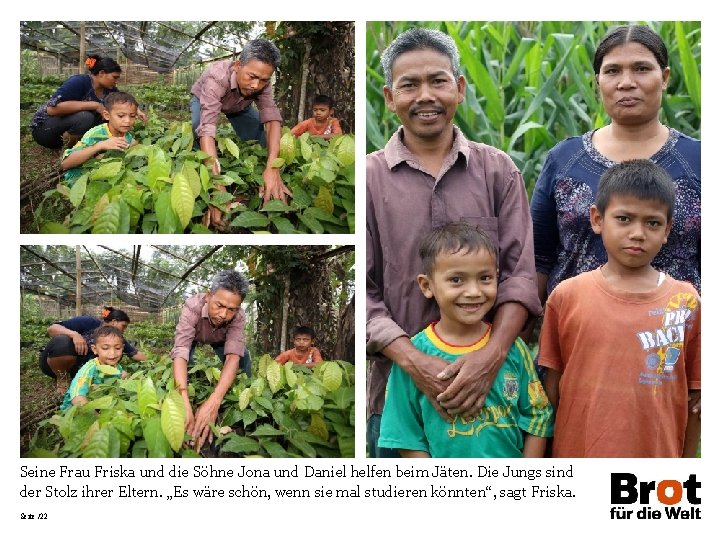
240,445
182,199
147,396
332,376
287,147
274,376
157,444
109,220
192,177
106,171
168,221
104,443
77,192
250,219
345,150
244,398
172,419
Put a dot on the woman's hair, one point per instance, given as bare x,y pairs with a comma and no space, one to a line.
107,330
110,314
631,34
96,64
453,238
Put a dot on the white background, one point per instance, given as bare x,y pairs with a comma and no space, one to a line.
586,515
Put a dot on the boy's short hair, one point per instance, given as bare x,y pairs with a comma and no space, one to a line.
304,331
114,98
640,178
453,238
322,99
106,330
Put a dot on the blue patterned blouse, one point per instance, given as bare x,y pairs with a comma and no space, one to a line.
565,244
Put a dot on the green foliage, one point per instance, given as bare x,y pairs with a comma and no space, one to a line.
286,411
530,84
162,185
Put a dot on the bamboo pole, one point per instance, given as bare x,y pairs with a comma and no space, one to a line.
285,309
81,62
78,281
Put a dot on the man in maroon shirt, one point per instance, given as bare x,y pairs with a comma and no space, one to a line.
215,318
231,87
428,175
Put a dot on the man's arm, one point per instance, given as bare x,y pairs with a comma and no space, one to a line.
534,446
273,187
208,411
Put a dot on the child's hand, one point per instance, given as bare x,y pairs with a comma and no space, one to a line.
113,143
124,375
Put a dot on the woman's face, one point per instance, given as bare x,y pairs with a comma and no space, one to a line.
108,80
631,84
120,325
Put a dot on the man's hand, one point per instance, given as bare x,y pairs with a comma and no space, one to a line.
81,346
113,143
204,416
273,186
424,372
474,374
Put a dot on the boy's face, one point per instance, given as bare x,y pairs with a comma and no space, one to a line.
302,342
321,113
109,349
632,230
222,305
424,93
121,118
464,285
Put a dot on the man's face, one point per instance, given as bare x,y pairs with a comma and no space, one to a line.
424,93
223,305
252,77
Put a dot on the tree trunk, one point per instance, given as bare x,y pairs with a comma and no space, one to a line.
345,346
303,83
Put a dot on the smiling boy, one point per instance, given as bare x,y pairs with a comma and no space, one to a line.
460,273
120,113
108,347
622,342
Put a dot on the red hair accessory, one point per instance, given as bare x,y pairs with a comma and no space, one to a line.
106,312
90,62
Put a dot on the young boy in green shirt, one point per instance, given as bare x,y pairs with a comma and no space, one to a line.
460,273
108,346
120,112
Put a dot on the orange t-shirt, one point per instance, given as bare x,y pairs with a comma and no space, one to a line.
330,128
627,361
312,356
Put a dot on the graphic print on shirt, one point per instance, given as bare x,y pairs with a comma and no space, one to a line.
664,345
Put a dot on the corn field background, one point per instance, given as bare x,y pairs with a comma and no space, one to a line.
531,84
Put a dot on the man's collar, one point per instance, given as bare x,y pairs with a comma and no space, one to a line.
233,78
396,152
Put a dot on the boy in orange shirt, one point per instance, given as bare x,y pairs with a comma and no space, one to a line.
322,124
622,342
304,354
